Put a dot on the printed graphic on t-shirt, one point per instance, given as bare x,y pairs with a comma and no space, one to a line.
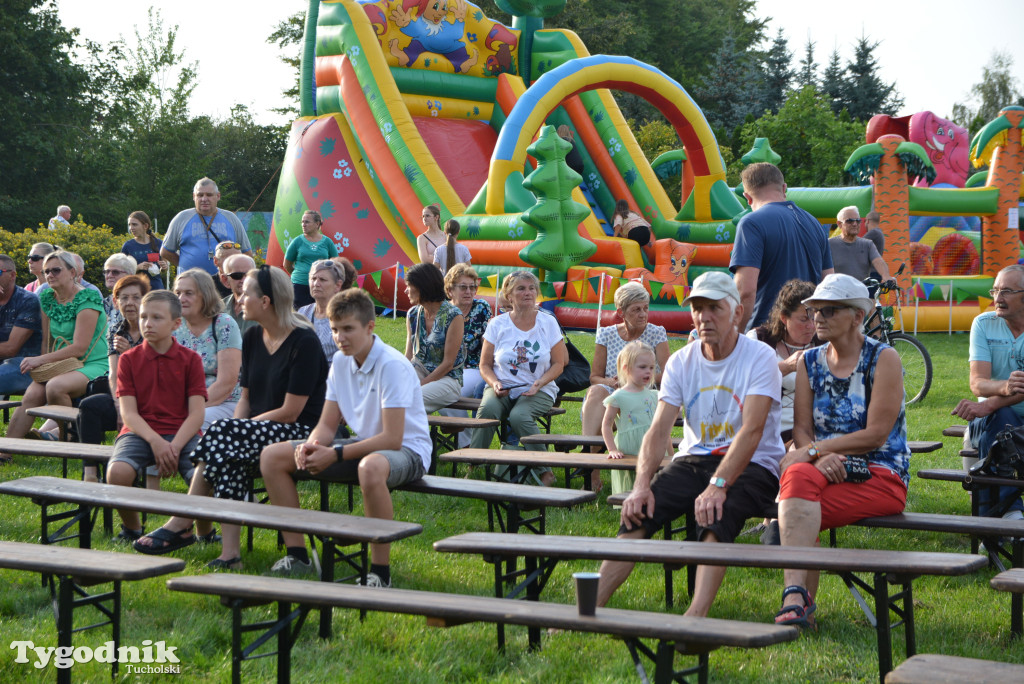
526,355
718,410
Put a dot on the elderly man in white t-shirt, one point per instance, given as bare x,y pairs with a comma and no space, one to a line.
727,467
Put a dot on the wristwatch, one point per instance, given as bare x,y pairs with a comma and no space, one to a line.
339,451
813,452
719,482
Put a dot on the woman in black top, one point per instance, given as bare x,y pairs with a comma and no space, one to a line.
284,378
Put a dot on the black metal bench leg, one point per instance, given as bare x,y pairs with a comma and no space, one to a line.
236,641
882,626
327,575
115,624
65,622
284,644
1016,598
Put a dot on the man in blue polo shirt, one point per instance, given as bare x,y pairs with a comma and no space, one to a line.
20,329
194,234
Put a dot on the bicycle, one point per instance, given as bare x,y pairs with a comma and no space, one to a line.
917,363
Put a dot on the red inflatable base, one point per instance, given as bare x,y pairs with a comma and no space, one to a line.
673,318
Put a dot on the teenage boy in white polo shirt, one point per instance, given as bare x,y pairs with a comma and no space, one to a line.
376,391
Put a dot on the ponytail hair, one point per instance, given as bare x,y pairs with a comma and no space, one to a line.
451,229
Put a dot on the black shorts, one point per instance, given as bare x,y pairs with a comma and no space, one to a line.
640,235
677,487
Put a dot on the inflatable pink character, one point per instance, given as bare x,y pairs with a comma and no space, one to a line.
944,141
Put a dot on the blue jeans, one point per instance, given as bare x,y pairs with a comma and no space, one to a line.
12,380
983,432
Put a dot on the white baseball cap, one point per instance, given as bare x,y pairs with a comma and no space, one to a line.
843,289
713,285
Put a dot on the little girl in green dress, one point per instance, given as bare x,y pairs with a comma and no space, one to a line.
630,408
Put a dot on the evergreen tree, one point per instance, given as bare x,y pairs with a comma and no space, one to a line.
43,113
833,84
807,75
778,72
732,88
864,92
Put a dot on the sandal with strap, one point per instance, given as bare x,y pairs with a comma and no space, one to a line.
126,535
803,613
163,540
219,564
210,538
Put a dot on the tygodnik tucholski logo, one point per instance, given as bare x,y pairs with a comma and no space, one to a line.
150,658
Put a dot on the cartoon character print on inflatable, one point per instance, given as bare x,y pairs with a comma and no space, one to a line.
672,261
945,142
431,32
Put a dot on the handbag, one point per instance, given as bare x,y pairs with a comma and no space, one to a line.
1005,458
576,374
51,369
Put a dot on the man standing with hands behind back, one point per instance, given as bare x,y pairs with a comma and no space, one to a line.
193,235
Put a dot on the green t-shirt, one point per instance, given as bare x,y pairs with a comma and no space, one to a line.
302,253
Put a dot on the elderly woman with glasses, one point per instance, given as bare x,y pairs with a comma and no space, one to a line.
116,266
304,251
522,354
850,458
74,326
327,277
284,379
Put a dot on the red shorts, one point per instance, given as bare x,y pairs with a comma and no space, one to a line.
846,502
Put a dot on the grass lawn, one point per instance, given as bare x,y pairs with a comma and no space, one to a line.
958,616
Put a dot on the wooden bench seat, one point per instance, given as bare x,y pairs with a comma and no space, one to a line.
542,554
6,405
472,404
335,531
75,569
521,462
62,415
955,431
1013,581
506,502
673,632
445,430
562,442
930,668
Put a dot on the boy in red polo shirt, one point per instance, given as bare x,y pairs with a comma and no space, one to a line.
162,391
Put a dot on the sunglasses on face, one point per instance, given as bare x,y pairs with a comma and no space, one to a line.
236,275
6,270
826,311
230,245
851,221
35,257
55,271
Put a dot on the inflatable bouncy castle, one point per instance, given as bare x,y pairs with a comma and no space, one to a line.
406,103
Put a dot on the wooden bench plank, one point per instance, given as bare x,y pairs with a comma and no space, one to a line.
94,453
564,442
65,414
929,668
334,525
1013,581
736,555
100,565
487,490
687,634
954,431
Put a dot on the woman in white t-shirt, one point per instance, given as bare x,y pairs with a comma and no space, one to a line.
451,252
522,355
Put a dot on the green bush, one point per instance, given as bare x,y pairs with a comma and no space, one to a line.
92,243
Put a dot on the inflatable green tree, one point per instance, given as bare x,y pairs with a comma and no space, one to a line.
556,216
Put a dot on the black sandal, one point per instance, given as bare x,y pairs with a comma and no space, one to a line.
210,538
130,536
219,564
803,613
168,541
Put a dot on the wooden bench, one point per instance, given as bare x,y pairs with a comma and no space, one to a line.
335,531
75,569
1013,582
542,554
955,431
521,462
6,405
62,415
929,668
472,404
506,502
672,632
445,430
563,442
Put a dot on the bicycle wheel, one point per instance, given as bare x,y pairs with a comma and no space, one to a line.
917,365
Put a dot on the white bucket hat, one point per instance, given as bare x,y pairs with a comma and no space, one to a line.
842,289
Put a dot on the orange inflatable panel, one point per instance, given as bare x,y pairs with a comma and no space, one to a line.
497,252
713,255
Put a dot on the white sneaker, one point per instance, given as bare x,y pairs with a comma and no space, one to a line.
290,566
373,580
1013,515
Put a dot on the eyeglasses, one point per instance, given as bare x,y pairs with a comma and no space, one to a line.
467,288
1005,292
6,270
826,311
35,257
229,245
236,275
114,271
850,221
55,271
